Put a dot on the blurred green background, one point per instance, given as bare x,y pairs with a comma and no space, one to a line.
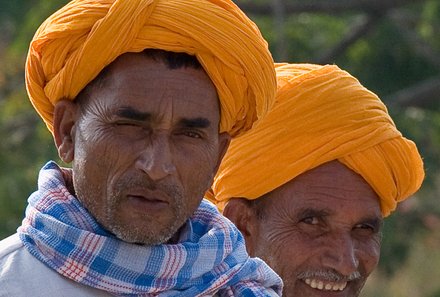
391,46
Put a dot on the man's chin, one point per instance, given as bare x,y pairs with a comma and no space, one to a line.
142,237
150,234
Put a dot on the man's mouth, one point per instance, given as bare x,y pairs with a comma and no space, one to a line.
148,200
325,285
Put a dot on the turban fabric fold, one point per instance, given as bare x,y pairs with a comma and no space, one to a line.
74,44
321,113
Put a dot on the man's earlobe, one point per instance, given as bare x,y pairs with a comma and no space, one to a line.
239,211
64,120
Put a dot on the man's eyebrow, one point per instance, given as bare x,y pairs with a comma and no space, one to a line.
195,123
133,114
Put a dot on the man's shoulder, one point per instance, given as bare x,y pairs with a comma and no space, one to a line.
21,274
9,245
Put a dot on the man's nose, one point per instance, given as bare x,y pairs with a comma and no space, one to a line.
340,254
156,159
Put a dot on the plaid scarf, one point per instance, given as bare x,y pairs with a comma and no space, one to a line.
209,258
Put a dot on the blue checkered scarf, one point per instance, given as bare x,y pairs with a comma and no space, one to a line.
209,258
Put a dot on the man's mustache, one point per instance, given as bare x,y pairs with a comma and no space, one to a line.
147,183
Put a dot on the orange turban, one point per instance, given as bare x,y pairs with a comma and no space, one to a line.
321,113
73,45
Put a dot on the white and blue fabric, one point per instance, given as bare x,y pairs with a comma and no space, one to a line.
210,257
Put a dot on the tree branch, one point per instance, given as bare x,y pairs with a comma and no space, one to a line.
328,6
360,28
423,95
279,17
420,46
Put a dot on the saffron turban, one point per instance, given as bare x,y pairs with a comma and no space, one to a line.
74,44
321,113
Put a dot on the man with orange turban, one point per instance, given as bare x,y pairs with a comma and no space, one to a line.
309,185
142,97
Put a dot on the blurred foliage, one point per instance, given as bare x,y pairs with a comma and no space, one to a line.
385,59
26,144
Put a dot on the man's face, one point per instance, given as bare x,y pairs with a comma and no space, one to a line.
321,232
146,147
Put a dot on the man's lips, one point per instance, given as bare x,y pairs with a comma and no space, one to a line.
146,200
325,285
328,283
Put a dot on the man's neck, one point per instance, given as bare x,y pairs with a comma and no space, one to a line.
68,179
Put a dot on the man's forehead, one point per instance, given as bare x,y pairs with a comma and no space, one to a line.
329,188
144,84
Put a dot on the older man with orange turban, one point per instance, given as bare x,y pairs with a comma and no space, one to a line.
309,185
143,97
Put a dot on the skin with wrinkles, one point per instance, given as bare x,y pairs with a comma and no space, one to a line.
135,143
320,231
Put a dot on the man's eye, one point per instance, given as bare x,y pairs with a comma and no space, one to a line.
311,220
193,134
364,226
366,229
126,124
190,134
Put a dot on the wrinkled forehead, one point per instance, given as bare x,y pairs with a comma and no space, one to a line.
331,187
147,86
171,60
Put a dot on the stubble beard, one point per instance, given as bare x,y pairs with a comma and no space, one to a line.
131,234
107,213
150,233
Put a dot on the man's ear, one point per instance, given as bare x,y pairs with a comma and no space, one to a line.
224,141
64,120
241,213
